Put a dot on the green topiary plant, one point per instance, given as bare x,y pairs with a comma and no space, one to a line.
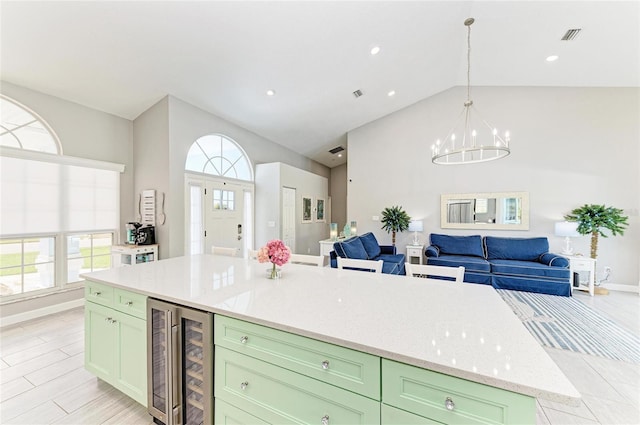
592,219
395,219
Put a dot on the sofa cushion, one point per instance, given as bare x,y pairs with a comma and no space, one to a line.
517,283
371,245
393,263
470,263
525,249
351,248
554,260
458,245
528,268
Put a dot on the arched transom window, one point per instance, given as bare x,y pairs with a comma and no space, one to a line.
218,155
22,129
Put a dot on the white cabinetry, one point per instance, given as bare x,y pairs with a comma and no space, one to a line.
133,254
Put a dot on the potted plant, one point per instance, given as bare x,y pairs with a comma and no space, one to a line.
592,219
395,219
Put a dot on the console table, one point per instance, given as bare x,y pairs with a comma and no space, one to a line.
583,266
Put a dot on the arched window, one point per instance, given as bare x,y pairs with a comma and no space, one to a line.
22,128
218,155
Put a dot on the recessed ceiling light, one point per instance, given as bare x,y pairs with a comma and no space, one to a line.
339,155
375,50
391,93
552,58
271,92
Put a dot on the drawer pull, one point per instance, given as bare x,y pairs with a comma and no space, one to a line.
107,319
325,364
244,339
97,293
244,385
129,303
325,420
449,404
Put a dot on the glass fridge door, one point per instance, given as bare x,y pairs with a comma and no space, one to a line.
197,359
162,355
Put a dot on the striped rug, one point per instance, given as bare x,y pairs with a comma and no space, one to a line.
568,324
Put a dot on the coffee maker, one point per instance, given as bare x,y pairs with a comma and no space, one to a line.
146,235
132,232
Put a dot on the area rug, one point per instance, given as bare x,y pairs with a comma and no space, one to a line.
567,323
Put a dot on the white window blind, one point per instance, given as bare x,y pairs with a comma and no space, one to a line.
39,196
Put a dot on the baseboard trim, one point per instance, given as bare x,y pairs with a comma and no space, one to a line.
34,314
621,288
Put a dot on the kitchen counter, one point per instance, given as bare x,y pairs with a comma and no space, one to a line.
466,330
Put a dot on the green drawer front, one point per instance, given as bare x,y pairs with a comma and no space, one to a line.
98,293
278,395
130,303
226,414
425,392
352,370
392,416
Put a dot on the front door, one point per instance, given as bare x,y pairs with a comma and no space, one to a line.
224,215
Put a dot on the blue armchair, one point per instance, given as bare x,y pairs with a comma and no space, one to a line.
366,247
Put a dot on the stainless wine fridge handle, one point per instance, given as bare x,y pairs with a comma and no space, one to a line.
176,366
169,368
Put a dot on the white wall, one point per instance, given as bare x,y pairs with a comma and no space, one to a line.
182,125
338,192
570,146
270,179
84,133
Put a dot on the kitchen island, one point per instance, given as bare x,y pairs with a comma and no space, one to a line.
428,335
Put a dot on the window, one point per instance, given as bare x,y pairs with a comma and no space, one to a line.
223,200
88,253
26,265
23,129
50,205
218,155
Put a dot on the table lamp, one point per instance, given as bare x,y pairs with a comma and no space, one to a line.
568,230
416,226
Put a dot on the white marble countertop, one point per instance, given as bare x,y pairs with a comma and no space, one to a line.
462,330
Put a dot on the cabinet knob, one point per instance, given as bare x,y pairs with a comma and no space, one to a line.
325,420
107,319
244,385
129,303
325,364
449,404
97,293
244,339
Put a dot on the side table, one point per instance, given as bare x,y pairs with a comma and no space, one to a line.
586,269
415,253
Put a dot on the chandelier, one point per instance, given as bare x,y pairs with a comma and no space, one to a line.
475,140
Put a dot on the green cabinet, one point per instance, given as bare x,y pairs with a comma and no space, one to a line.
450,400
116,339
278,395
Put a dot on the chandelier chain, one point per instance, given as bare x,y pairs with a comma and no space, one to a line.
468,62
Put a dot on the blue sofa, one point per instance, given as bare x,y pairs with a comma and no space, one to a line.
522,264
366,247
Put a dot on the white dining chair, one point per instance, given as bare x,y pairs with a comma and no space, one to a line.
429,270
364,265
220,250
310,260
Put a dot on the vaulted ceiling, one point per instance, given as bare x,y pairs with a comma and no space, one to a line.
122,57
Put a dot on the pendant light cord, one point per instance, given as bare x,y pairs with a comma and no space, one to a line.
469,61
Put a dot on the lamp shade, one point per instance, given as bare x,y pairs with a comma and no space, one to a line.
416,226
567,229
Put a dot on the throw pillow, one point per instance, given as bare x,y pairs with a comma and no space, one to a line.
353,248
371,245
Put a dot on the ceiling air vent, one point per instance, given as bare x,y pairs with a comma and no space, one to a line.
336,150
358,93
571,34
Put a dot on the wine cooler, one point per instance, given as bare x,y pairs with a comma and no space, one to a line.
180,364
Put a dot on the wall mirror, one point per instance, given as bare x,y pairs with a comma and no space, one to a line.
491,210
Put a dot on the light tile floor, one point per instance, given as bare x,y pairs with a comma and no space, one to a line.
42,379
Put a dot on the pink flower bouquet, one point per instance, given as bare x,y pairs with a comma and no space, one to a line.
276,252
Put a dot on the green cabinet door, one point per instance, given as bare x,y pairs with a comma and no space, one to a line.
131,356
100,338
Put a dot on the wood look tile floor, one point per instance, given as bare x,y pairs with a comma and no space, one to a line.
43,381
